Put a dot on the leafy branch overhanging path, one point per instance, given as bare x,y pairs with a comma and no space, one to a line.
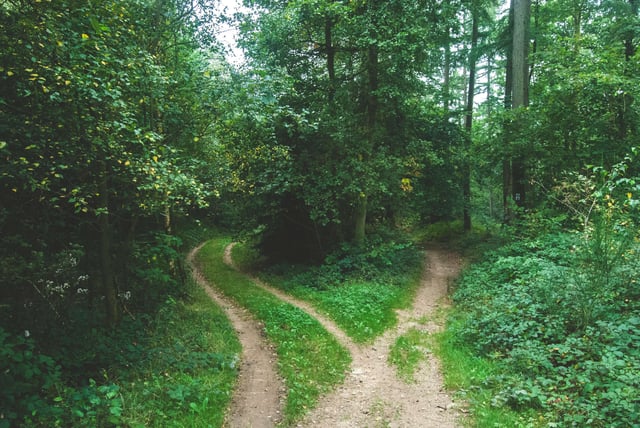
372,394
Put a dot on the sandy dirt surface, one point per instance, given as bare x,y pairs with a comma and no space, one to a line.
372,394
258,396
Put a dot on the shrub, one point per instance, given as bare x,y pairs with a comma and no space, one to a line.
27,380
567,341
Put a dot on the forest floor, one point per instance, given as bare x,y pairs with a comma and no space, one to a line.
372,395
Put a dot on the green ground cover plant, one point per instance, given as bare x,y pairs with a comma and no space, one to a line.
310,360
189,372
358,287
560,318
471,377
175,369
408,352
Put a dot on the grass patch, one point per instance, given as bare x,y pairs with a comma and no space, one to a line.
176,367
471,377
310,360
358,288
188,373
408,352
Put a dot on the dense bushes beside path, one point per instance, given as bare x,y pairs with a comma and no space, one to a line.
565,330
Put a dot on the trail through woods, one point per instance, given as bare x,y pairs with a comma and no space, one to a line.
372,394
257,399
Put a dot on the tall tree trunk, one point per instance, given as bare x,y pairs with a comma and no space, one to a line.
372,122
507,184
489,91
446,86
372,112
520,96
106,265
361,219
468,120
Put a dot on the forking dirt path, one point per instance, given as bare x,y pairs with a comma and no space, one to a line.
372,395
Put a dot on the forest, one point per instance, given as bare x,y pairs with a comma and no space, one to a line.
335,140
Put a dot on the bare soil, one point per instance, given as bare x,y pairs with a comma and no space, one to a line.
258,397
372,394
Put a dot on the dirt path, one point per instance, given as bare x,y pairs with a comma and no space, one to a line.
372,395
258,396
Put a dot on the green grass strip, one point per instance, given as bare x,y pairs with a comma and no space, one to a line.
408,351
188,369
470,376
362,309
310,360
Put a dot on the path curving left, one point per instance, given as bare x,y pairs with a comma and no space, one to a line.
257,399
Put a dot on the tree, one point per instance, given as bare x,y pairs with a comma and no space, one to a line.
355,70
520,86
89,157
468,121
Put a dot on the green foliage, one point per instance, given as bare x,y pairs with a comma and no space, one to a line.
96,405
349,122
186,373
408,352
561,333
93,162
384,259
471,377
28,379
359,287
177,367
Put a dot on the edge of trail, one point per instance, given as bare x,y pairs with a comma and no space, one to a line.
372,394
258,395
327,323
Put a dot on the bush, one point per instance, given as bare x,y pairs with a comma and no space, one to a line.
384,260
27,380
566,339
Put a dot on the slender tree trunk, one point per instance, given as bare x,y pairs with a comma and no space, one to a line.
372,111
489,91
372,122
106,265
468,120
446,86
361,219
507,183
521,19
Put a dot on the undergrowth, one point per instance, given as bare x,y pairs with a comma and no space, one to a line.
559,319
358,287
310,359
177,368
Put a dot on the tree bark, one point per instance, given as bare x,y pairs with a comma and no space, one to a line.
371,114
507,188
520,94
468,120
361,219
106,265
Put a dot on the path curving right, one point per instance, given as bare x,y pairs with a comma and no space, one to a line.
372,394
